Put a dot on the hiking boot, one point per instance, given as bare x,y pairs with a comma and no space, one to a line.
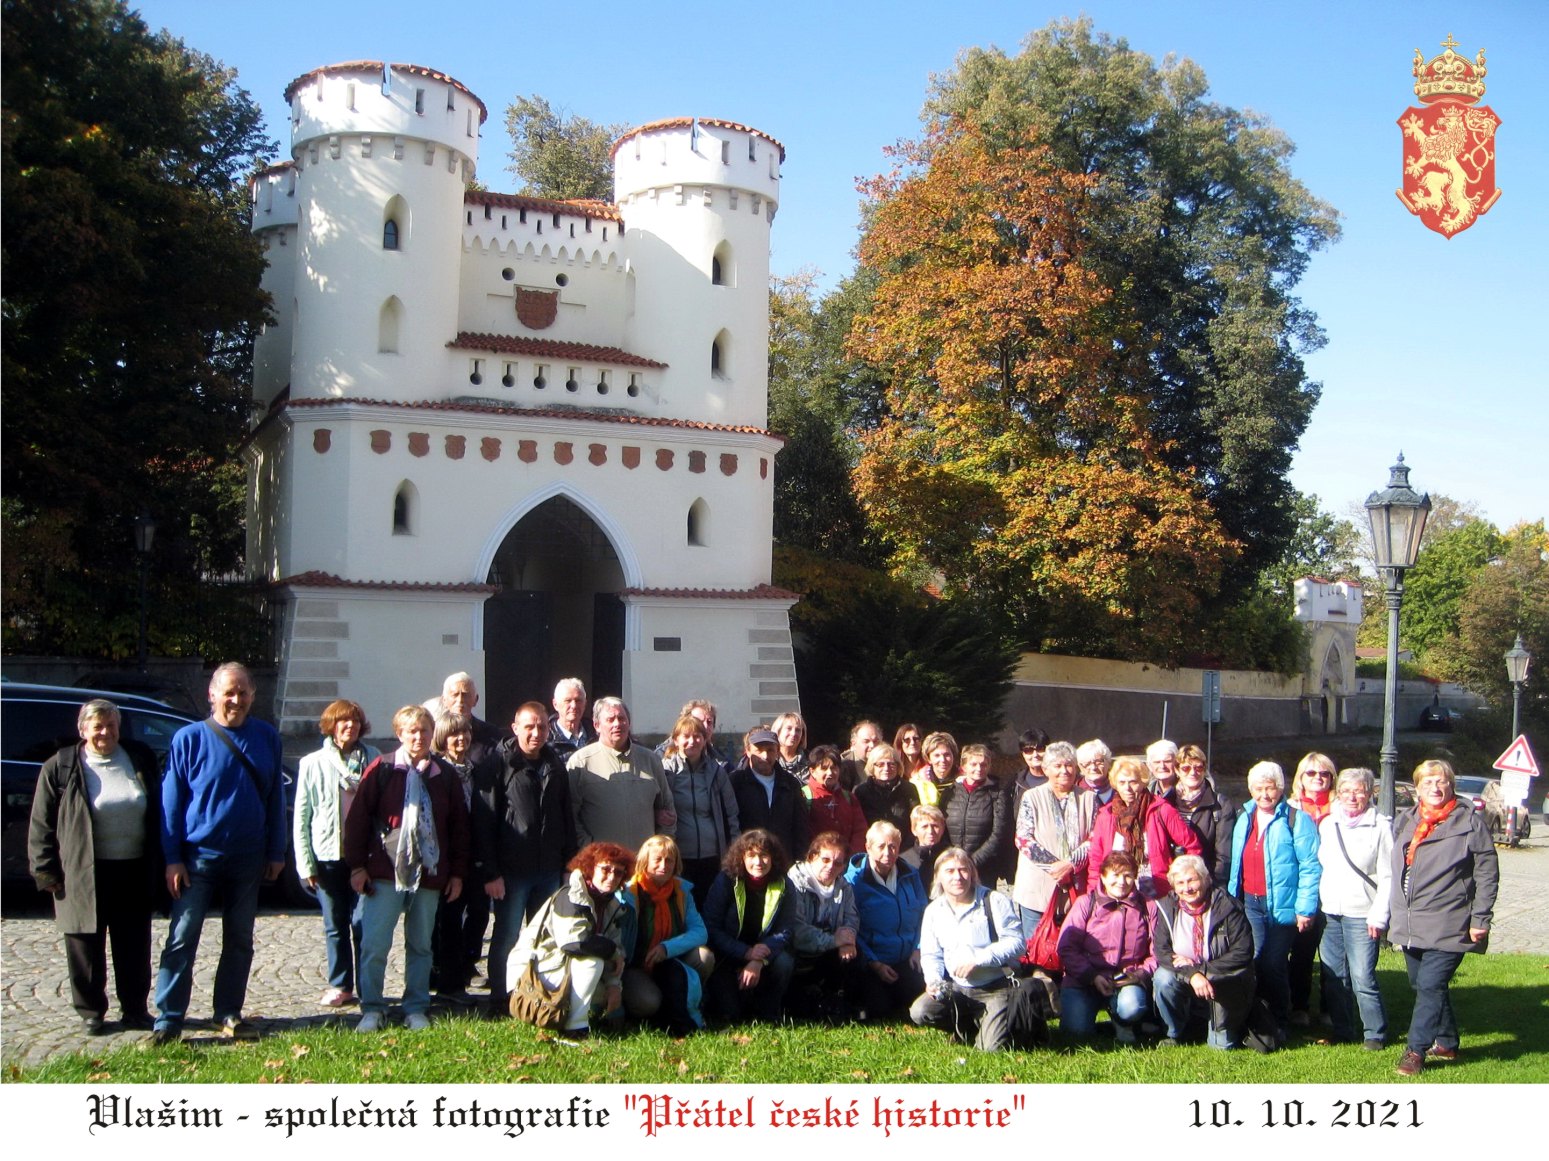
1441,1052
1411,1063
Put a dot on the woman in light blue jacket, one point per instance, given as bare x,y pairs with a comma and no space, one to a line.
325,787
1274,874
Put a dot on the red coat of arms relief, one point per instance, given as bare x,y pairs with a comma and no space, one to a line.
1449,143
537,309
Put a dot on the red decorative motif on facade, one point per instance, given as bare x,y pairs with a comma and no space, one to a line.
537,309
597,454
527,451
696,461
631,457
419,443
763,468
489,448
456,445
322,440
381,441
563,452
664,459
728,464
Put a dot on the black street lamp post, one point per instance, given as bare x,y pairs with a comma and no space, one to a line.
144,536
1517,660
1397,515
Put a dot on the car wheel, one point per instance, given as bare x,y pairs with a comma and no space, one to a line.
1497,829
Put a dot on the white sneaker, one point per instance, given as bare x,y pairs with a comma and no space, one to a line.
336,998
416,1021
370,1022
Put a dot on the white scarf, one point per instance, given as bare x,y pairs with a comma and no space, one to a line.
418,849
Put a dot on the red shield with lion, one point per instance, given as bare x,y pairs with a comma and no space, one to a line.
1449,144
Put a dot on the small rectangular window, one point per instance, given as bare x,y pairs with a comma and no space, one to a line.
502,221
470,217
349,96
419,101
522,216
450,103
752,148
667,644
726,153
489,212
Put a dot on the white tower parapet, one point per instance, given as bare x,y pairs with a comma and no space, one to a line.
383,154
698,196
274,221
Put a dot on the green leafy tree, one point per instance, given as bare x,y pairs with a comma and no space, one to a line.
130,302
560,155
869,646
810,406
1435,589
1195,225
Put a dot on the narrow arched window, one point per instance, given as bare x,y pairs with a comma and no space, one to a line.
698,523
715,358
389,323
389,235
723,270
715,271
404,503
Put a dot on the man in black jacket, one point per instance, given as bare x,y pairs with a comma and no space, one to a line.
523,835
768,797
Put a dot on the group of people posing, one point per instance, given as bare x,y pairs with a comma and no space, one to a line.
675,885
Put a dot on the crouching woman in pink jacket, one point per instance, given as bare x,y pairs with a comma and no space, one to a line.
1105,946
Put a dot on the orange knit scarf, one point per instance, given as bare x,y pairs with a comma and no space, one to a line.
1430,817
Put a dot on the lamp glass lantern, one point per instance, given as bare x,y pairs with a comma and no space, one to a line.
1517,661
1398,514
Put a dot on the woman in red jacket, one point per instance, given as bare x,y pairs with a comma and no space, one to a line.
1140,823
829,805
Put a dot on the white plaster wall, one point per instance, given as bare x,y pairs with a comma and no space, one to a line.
466,506
272,349
591,304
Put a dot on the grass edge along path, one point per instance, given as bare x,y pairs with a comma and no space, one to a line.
1502,1004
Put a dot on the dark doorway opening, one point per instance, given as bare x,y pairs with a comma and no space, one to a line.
556,613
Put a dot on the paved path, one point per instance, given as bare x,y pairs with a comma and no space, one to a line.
37,1022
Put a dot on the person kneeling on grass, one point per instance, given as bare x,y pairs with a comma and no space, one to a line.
406,842
664,980
749,915
969,937
1105,946
582,930
1204,957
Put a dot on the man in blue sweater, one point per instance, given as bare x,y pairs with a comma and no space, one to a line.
222,831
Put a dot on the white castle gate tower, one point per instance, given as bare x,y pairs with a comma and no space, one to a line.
520,437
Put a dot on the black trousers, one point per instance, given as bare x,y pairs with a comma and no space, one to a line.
124,918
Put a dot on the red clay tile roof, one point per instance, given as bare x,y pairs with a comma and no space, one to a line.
537,412
277,167
328,580
361,66
681,122
756,593
583,207
550,349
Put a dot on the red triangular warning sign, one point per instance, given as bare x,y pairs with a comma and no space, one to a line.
1518,759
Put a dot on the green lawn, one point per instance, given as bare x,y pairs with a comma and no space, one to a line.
1502,1003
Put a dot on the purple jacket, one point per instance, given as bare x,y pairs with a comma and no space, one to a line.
1104,936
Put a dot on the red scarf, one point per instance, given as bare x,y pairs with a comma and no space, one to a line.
1430,818
1130,821
664,914
1197,913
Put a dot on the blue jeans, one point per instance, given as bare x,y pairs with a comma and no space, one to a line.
1271,957
524,895
1030,920
379,912
235,878
1430,972
1179,1007
341,923
1349,955
1079,1007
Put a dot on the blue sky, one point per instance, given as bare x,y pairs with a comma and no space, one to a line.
1435,346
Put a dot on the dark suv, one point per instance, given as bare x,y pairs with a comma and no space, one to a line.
37,720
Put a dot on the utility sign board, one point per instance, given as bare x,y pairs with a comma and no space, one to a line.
1210,697
1518,759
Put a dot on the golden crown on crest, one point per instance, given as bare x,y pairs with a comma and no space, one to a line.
1448,76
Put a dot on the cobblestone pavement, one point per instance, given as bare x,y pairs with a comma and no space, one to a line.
37,1021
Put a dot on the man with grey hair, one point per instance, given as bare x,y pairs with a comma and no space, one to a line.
1162,762
568,728
222,831
618,789
1094,758
459,694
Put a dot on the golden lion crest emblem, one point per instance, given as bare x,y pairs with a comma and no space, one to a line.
1449,144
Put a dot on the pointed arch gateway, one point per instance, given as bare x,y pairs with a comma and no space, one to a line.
556,612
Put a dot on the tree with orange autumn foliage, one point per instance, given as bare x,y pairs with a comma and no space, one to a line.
1015,459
